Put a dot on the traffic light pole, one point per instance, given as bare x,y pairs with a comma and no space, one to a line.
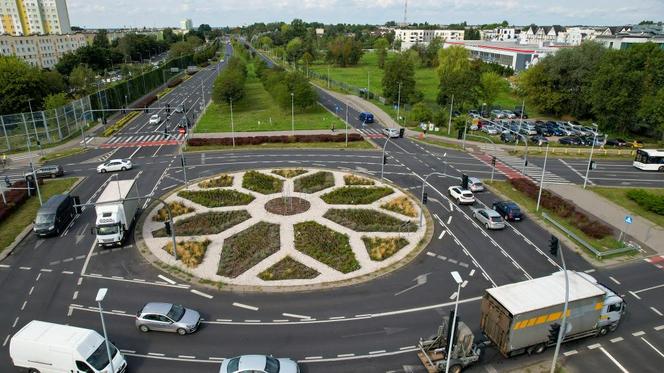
563,327
424,182
382,166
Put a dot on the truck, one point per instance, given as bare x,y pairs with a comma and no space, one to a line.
433,351
116,212
525,317
46,347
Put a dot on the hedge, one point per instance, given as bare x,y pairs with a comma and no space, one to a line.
120,123
285,139
15,198
649,201
145,102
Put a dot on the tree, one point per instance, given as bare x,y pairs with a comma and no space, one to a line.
421,113
53,81
491,85
294,50
179,49
456,76
55,100
381,45
652,112
430,56
344,51
169,36
265,42
18,83
67,63
399,80
205,29
101,39
80,78
230,83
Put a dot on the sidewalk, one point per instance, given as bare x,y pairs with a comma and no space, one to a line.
642,230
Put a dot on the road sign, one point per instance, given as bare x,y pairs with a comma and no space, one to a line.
628,219
182,130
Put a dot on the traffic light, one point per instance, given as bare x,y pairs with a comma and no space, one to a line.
77,201
553,245
168,108
554,330
526,163
425,198
401,132
384,159
459,135
145,110
464,181
8,182
167,227
30,183
493,160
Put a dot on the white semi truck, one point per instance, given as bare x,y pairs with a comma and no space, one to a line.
115,212
45,347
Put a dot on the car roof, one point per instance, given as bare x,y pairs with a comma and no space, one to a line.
474,179
51,205
252,362
157,307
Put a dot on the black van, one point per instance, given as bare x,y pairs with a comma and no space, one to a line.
55,215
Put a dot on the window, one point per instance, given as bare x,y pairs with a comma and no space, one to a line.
615,307
83,367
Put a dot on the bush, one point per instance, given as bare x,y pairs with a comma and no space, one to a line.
261,183
402,205
288,269
120,123
356,195
283,139
206,223
174,83
289,173
365,220
382,248
357,180
326,246
15,198
248,248
145,102
190,253
218,182
314,182
177,209
649,201
217,197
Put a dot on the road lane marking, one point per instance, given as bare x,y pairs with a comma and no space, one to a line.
295,316
15,322
658,328
75,295
155,354
245,306
377,352
647,289
655,310
634,295
441,234
614,360
167,279
614,280
619,339
186,356
594,346
472,272
653,347
208,296
570,353
639,333
345,355
24,304
313,357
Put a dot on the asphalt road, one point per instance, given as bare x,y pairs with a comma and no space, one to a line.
372,326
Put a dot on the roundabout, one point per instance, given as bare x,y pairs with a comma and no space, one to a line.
286,229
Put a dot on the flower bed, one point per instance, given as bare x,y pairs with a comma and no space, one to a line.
261,183
366,220
287,206
288,269
326,246
190,253
357,180
217,182
206,223
356,195
401,205
382,248
177,208
217,197
314,182
248,248
289,173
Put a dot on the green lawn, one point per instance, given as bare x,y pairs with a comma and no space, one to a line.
303,145
63,153
618,196
24,215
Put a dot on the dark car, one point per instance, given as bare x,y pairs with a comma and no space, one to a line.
509,210
507,137
366,117
49,171
569,141
539,139
616,142
518,113
55,215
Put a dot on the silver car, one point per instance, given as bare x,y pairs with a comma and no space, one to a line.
475,184
167,317
490,218
258,363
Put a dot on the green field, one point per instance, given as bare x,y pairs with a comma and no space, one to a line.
619,197
300,145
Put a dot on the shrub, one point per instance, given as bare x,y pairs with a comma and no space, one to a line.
120,123
289,173
145,102
356,195
190,253
177,208
357,180
258,140
248,248
218,182
402,205
15,198
261,183
314,182
217,197
326,246
365,220
382,248
649,201
288,269
174,82
206,223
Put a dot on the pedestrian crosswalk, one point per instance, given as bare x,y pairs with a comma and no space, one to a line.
516,164
372,133
153,139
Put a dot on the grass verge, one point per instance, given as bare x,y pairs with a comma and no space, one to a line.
248,248
217,197
206,223
353,195
619,197
288,269
326,246
354,145
365,220
63,153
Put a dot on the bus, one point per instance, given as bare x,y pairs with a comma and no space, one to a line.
649,160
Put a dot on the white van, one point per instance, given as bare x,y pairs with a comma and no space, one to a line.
45,347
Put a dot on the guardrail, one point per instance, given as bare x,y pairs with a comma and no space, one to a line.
597,253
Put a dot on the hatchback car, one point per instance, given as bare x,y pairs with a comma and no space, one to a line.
391,132
114,165
366,117
155,119
48,171
490,218
475,185
462,196
507,137
509,210
167,317
258,363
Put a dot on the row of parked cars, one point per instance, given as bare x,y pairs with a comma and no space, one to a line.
493,218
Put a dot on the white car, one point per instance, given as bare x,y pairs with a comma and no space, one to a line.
462,196
114,165
475,184
155,119
391,132
258,363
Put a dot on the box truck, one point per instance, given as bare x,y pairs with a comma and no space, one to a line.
116,213
524,317
45,347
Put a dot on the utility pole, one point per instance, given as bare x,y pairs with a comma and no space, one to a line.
232,124
399,103
449,123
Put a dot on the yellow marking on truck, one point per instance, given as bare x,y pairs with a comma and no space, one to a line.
531,322
599,305
541,319
554,316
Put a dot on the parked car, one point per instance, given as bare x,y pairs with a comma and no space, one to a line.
507,137
258,363
474,114
167,317
616,142
498,114
489,218
366,117
569,141
155,119
509,114
391,132
475,184
52,171
517,112
509,210
539,140
462,196
490,130
115,165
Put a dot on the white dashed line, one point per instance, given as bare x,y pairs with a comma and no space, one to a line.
345,355
472,272
377,352
619,339
639,333
653,347
594,346
634,295
296,316
75,295
6,340
570,353
208,296
658,328
186,356
167,279
614,280
245,306
155,354
655,310
613,360
313,357
406,348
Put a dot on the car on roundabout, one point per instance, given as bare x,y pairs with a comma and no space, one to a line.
491,219
258,364
167,317
114,165
462,196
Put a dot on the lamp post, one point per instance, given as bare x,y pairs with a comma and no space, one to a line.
465,128
449,121
482,111
101,294
292,97
424,182
346,123
34,126
539,195
457,278
590,159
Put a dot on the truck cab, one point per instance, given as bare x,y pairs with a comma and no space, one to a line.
613,307
109,226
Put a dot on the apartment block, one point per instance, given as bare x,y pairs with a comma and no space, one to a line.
40,50
34,17
411,37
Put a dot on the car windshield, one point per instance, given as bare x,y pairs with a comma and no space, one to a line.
496,219
176,312
44,218
99,358
107,229
233,365
271,365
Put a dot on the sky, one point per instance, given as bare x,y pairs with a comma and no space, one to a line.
163,13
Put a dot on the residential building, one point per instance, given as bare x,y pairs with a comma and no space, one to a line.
500,34
186,24
320,31
576,35
518,57
43,51
114,34
540,34
34,17
411,37
635,35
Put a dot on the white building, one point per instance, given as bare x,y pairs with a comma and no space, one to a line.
518,57
34,17
541,35
40,50
625,38
500,34
411,37
186,24
576,35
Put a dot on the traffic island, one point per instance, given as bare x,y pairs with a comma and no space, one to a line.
286,229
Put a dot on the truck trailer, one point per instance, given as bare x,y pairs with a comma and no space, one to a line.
116,212
524,317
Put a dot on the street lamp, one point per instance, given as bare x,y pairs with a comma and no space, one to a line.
457,278
590,159
539,195
399,102
101,294
292,96
346,123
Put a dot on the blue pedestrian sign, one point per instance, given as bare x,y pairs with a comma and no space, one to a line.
628,219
